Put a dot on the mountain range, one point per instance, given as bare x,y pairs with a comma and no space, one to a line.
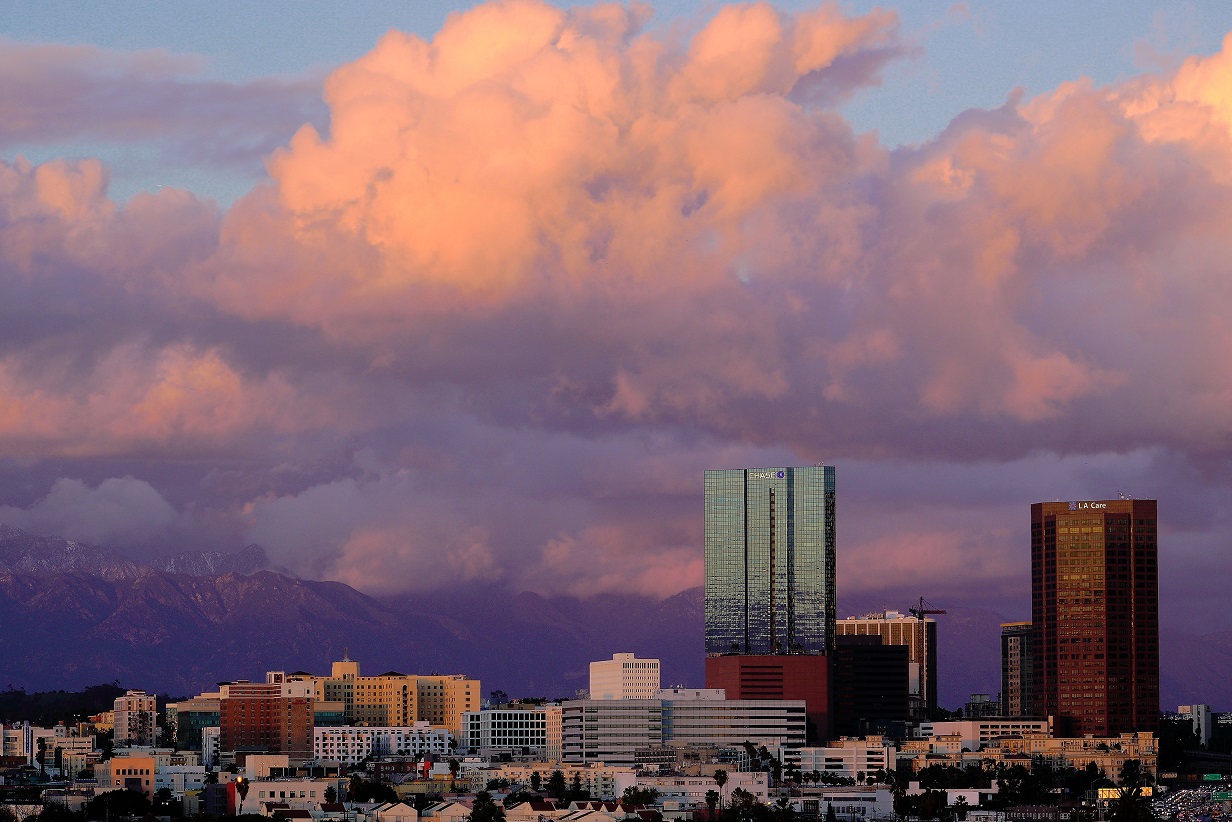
73,615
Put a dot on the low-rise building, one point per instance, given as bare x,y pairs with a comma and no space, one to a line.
129,773
847,757
691,790
603,781
350,744
976,733
180,779
849,803
298,794
1106,753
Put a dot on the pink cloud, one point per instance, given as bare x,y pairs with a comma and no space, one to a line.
647,255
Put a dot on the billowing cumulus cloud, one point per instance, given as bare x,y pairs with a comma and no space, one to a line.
541,270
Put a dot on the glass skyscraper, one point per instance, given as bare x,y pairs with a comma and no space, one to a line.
770,561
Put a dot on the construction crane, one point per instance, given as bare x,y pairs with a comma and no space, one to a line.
920,612
925,663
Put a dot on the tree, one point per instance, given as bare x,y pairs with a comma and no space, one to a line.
518,797
1131,773
331,794
712,799
720,779
499,698
1130,806
485,810
454,767
961,806
931,804
744,805
831,816
366,790
536,781
634,795
576,792
241,790
114,804
165,803
556,784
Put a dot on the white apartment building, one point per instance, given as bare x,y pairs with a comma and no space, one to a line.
69,754
136,719
855,802
210,746
846,757
691,790
520,731
976,733
350,744
611,731
624,676
604,782
298,794
180,779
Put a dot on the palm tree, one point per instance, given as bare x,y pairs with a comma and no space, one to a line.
712,799
1130,806
241,790
720,779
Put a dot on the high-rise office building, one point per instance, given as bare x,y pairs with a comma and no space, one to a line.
1017,669
920,638
770,561
1095,608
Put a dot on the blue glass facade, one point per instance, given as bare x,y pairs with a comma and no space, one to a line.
770,560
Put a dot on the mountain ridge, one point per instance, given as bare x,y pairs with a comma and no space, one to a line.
80,615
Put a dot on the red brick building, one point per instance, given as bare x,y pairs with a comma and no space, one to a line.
259,717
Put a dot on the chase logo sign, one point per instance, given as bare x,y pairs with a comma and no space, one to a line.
767,474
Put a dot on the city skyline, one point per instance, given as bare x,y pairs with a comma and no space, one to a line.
420,300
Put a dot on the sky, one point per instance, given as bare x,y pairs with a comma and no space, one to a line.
422,295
